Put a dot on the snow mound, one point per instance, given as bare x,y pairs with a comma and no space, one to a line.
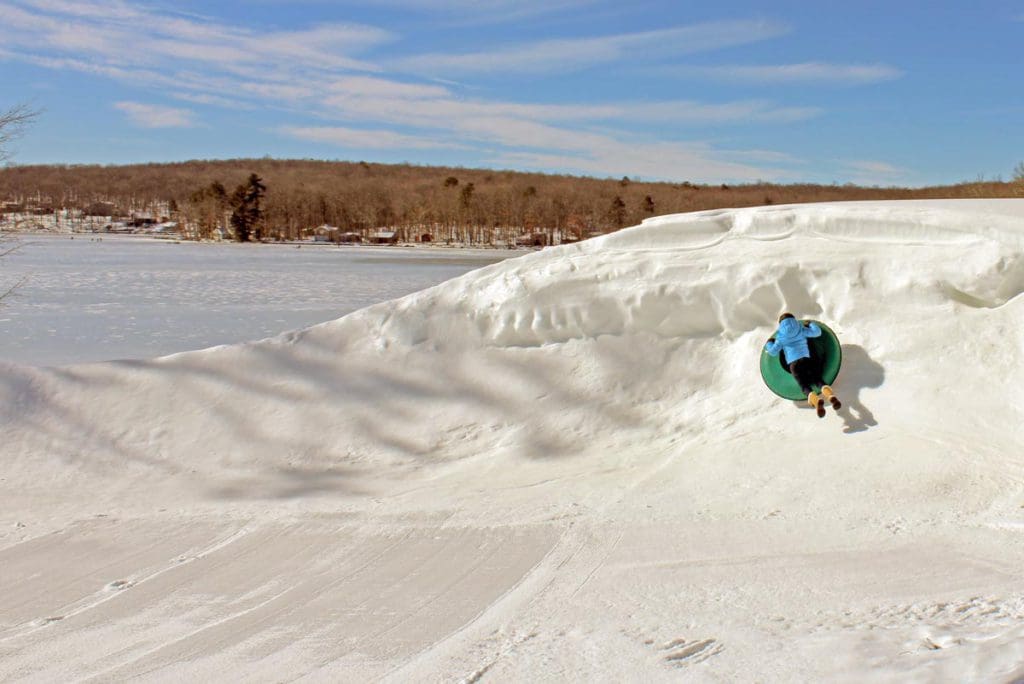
603,401
541,355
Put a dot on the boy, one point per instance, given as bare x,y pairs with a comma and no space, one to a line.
791,339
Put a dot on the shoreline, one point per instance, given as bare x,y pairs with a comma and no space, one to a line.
96,237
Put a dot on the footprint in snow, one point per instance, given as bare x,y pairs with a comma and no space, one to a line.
683,652
48,620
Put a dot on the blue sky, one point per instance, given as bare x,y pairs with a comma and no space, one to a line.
887,93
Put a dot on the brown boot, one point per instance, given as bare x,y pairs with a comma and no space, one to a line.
816,403
826,391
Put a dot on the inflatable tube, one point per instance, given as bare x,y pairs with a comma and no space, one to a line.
825,351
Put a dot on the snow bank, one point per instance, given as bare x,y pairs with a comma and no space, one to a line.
593,416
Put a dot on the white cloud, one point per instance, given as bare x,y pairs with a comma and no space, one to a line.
214,100
114,32
535,144
652,160
874,167
362,138
156,116
868,172
113,9
578,53
806,72
408,104
463,12
315,73
365,86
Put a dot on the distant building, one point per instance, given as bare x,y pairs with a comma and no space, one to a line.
533,240
118,227
383,237
167,228
326,233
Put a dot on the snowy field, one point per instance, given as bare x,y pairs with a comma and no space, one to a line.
86,299
560,467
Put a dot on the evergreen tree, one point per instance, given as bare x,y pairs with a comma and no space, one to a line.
240,215
246,215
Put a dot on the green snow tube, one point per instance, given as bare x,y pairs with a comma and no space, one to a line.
825,351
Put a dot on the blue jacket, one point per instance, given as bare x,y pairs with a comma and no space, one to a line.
791,337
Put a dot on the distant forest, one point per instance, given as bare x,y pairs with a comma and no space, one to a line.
293,198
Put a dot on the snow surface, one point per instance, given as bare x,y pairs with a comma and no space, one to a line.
559,467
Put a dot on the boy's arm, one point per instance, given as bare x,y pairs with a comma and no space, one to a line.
812,329
772,347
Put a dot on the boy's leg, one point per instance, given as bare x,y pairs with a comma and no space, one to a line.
800,370
826,392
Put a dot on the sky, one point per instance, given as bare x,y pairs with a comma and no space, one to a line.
875,93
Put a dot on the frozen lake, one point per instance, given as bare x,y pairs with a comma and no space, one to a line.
85,299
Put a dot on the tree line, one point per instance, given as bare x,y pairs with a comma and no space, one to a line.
268,199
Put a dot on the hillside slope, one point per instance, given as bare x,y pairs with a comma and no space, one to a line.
559,466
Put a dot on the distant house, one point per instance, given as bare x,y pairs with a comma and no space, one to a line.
167,227
118,227
383,237
532,240
328,233
324,233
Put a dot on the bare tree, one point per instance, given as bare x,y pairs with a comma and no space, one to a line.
12,122
9,289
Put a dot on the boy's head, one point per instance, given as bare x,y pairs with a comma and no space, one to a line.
785,316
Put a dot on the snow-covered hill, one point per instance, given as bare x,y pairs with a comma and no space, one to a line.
562,466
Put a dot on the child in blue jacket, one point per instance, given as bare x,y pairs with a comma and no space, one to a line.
791,339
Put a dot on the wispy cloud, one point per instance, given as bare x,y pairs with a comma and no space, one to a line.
869,172
646,161
409,104
523,141
112,33
157,116
579,53
469,12
805,72
544,137
214,100
327,73
358,138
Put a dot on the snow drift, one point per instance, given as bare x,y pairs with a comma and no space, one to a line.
559,466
